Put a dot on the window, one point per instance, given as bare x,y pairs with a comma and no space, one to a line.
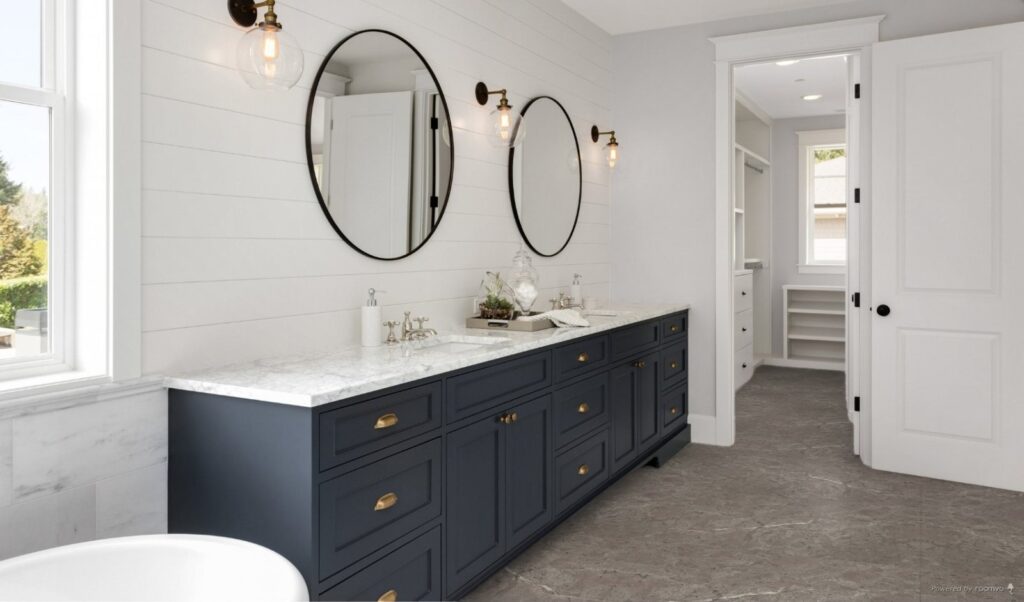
33,144
823,192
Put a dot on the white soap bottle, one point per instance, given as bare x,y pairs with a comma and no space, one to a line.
373,322
576,290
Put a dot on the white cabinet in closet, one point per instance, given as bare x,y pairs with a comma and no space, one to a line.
815,326
743,326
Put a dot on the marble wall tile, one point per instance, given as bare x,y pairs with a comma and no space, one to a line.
6,462
134,503
53,520
81,445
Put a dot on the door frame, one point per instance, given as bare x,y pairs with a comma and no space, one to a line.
855,36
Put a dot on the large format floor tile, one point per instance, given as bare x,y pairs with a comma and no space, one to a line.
788,513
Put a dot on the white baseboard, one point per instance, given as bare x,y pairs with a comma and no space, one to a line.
806,364
702,429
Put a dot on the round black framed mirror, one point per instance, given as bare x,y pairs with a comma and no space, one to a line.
545,177
379,144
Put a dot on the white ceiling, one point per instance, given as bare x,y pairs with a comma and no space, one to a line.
778,91
619,16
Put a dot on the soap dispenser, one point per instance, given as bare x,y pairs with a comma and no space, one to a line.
373,317
576,290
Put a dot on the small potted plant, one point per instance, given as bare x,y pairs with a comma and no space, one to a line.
496,304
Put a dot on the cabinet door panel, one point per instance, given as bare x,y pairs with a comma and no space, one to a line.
648,418
475,499
622,399
529,470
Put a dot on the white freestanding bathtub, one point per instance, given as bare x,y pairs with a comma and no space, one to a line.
153,567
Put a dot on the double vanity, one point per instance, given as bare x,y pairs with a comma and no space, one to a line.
416,471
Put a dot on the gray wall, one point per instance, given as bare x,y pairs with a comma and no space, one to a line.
663,110
785,214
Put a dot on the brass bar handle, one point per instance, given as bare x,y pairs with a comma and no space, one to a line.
583,408
385,501
583,470
639,364
388,596
583,357
386,421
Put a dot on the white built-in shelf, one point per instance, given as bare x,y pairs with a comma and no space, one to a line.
756,158
818,333
828,308
815,325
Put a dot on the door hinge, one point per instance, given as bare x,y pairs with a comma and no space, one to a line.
856,299
856,90
434,201
856,404
856,195
434,123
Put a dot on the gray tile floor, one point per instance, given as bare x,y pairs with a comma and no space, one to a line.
788,513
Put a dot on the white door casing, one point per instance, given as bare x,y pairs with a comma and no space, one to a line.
948,362
370,158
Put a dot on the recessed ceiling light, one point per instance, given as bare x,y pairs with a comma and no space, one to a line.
811,97
787,63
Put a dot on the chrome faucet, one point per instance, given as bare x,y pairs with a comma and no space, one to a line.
414,334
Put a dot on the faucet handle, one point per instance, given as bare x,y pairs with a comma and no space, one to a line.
392,339
419,322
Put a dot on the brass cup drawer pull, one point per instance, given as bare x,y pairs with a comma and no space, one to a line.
385,501
386,421
583,470
583,408
508,418
388,596
583,357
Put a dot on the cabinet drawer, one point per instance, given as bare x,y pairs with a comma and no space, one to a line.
580,357
580,408
674,407
412,572
673,327
365,509
744,365
744,329
743,291
673,364
580,470
487,387
633,339
356,430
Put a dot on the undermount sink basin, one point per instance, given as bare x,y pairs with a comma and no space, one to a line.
452,343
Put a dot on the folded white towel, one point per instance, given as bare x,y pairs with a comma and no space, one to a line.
562,318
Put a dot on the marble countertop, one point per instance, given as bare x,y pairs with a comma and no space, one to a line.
317,379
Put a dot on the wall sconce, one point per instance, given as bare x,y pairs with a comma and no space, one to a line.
267,56
508,130
611,150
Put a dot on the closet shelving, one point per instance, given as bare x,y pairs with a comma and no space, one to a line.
815,325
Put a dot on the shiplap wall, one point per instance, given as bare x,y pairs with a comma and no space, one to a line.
238,260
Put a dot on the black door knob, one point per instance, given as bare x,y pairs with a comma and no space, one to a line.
883,310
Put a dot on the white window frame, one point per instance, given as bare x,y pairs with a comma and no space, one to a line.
95,236
54,93
805,226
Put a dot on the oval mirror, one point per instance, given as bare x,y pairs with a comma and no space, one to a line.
545,177
379,144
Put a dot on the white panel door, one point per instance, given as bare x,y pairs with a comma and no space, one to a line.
948,256
370,177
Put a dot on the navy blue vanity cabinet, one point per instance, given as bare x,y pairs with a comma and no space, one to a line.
499,486
423,490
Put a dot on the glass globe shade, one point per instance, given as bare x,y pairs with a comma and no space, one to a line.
509,128
611,154
269,58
